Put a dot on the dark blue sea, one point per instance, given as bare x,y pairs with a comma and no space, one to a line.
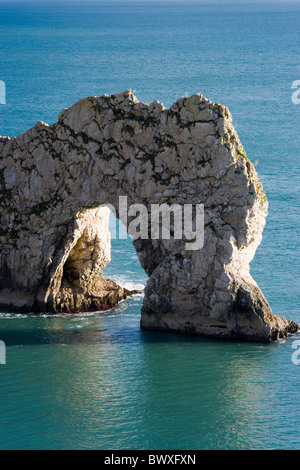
96,381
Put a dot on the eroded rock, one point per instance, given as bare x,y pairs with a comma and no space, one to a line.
54,234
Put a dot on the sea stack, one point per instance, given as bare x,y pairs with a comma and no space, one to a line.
54,241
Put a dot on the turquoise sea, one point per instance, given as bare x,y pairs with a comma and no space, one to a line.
96,381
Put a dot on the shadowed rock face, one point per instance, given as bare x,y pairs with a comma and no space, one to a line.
54,238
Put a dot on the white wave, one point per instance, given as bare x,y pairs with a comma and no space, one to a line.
12,315
130,285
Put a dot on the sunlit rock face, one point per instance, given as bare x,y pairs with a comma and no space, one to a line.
54,238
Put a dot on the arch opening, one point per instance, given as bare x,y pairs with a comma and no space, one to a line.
78,284
124,267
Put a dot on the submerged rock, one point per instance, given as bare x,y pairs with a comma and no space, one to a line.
54,238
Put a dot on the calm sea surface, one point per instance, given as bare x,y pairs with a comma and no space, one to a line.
97,381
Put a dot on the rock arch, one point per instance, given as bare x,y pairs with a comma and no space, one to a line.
56,180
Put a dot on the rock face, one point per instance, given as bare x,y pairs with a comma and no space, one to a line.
56,180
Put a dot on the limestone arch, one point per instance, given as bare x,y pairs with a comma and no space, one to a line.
54,179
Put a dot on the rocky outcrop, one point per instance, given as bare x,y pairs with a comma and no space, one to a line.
56,180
